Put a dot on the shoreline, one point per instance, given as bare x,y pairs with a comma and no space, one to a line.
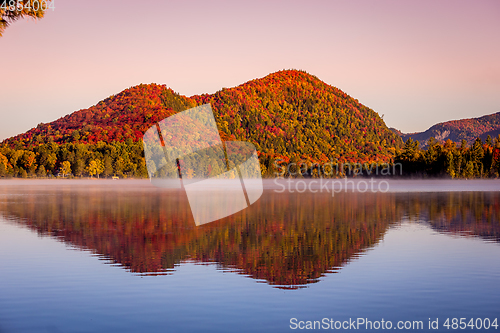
294,185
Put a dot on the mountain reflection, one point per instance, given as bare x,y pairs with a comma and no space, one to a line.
287,240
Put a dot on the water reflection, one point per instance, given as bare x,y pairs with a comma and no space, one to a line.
469,214
286,240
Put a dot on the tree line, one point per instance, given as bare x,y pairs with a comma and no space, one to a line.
479,160
120,159
126,159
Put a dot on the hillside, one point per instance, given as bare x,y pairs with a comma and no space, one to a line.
292,113
458,130
289,115
117,118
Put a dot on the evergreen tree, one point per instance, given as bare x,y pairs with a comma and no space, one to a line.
78,167
410,150
489,141
450,168
108,167
469,170
477,154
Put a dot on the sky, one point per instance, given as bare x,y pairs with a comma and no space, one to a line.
417,63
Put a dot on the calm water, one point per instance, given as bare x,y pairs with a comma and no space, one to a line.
126,257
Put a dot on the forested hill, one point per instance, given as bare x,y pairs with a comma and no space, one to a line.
126,115
458,130
292,113
288,114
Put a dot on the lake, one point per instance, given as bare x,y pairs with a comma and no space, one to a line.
125,256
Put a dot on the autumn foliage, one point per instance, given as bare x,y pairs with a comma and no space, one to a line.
288,240
287,115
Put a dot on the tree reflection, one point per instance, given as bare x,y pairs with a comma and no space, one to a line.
287,240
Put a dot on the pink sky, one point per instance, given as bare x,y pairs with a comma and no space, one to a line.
417,63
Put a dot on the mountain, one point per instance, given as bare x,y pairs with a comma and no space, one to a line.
288,115
458,130
293,113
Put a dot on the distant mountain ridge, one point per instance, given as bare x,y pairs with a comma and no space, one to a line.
288,114
457,130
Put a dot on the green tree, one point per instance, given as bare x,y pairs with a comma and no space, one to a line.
23,173
108,166
119,166
41,172
477,154
459,164
3,170
469,170
450,168
410,150
78,167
